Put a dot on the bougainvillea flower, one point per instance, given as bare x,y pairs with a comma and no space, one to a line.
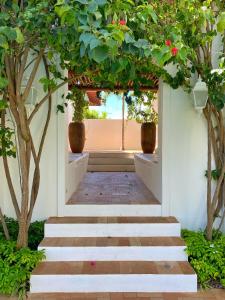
123,22
168,43
174,51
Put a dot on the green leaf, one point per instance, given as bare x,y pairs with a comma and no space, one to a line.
3,82
100,53
19,36
221,23
3,42
101,2
86,38
94,43
82,1
61,10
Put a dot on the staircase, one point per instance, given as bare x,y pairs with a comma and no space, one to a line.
113,254
114,161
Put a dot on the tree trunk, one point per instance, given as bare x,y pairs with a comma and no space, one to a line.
22,239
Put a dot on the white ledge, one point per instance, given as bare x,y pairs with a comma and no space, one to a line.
77,156
147,158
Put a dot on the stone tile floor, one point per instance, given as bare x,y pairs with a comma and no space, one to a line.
112,188
211,294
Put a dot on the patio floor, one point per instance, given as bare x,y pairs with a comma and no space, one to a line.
112,188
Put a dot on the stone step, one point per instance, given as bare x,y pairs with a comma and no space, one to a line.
116,276
112,227
111,154
111,161
111,168
114,249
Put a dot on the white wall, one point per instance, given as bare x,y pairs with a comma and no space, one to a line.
148,168
76,170
184,158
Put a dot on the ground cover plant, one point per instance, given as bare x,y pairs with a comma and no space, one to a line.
16,265
206,257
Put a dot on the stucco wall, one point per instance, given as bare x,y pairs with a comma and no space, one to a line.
184,158
107,135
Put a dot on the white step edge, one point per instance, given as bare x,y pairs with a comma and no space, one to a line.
114,210
113,283
113,229
115,253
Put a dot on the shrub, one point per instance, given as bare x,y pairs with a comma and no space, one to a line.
206,257
94,114
35,235
16,266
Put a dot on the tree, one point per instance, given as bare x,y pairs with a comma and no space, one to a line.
86,37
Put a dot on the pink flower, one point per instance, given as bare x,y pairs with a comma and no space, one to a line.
123,22
168,43
93,263
174,51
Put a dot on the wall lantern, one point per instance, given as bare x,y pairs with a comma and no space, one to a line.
200,93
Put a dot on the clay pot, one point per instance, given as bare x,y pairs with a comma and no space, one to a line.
148,137
77,136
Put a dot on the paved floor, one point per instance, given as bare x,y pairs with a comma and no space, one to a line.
112,188
201,295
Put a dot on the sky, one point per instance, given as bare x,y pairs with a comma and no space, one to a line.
113,107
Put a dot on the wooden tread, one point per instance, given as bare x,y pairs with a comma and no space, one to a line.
109,220
111,241
112,268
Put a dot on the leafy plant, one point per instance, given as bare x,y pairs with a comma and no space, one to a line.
94,114
16,267
35,234
206,257
141,108
77,98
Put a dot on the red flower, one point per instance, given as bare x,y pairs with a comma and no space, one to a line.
168,43
174,51
93,263
123,22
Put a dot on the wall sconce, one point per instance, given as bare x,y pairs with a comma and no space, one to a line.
200,93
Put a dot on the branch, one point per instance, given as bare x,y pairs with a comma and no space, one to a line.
8,176
32,75
37,158
4,226
219,184
21,71
45,98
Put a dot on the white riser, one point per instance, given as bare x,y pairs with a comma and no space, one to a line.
155,253
113,283
113,230
112,210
